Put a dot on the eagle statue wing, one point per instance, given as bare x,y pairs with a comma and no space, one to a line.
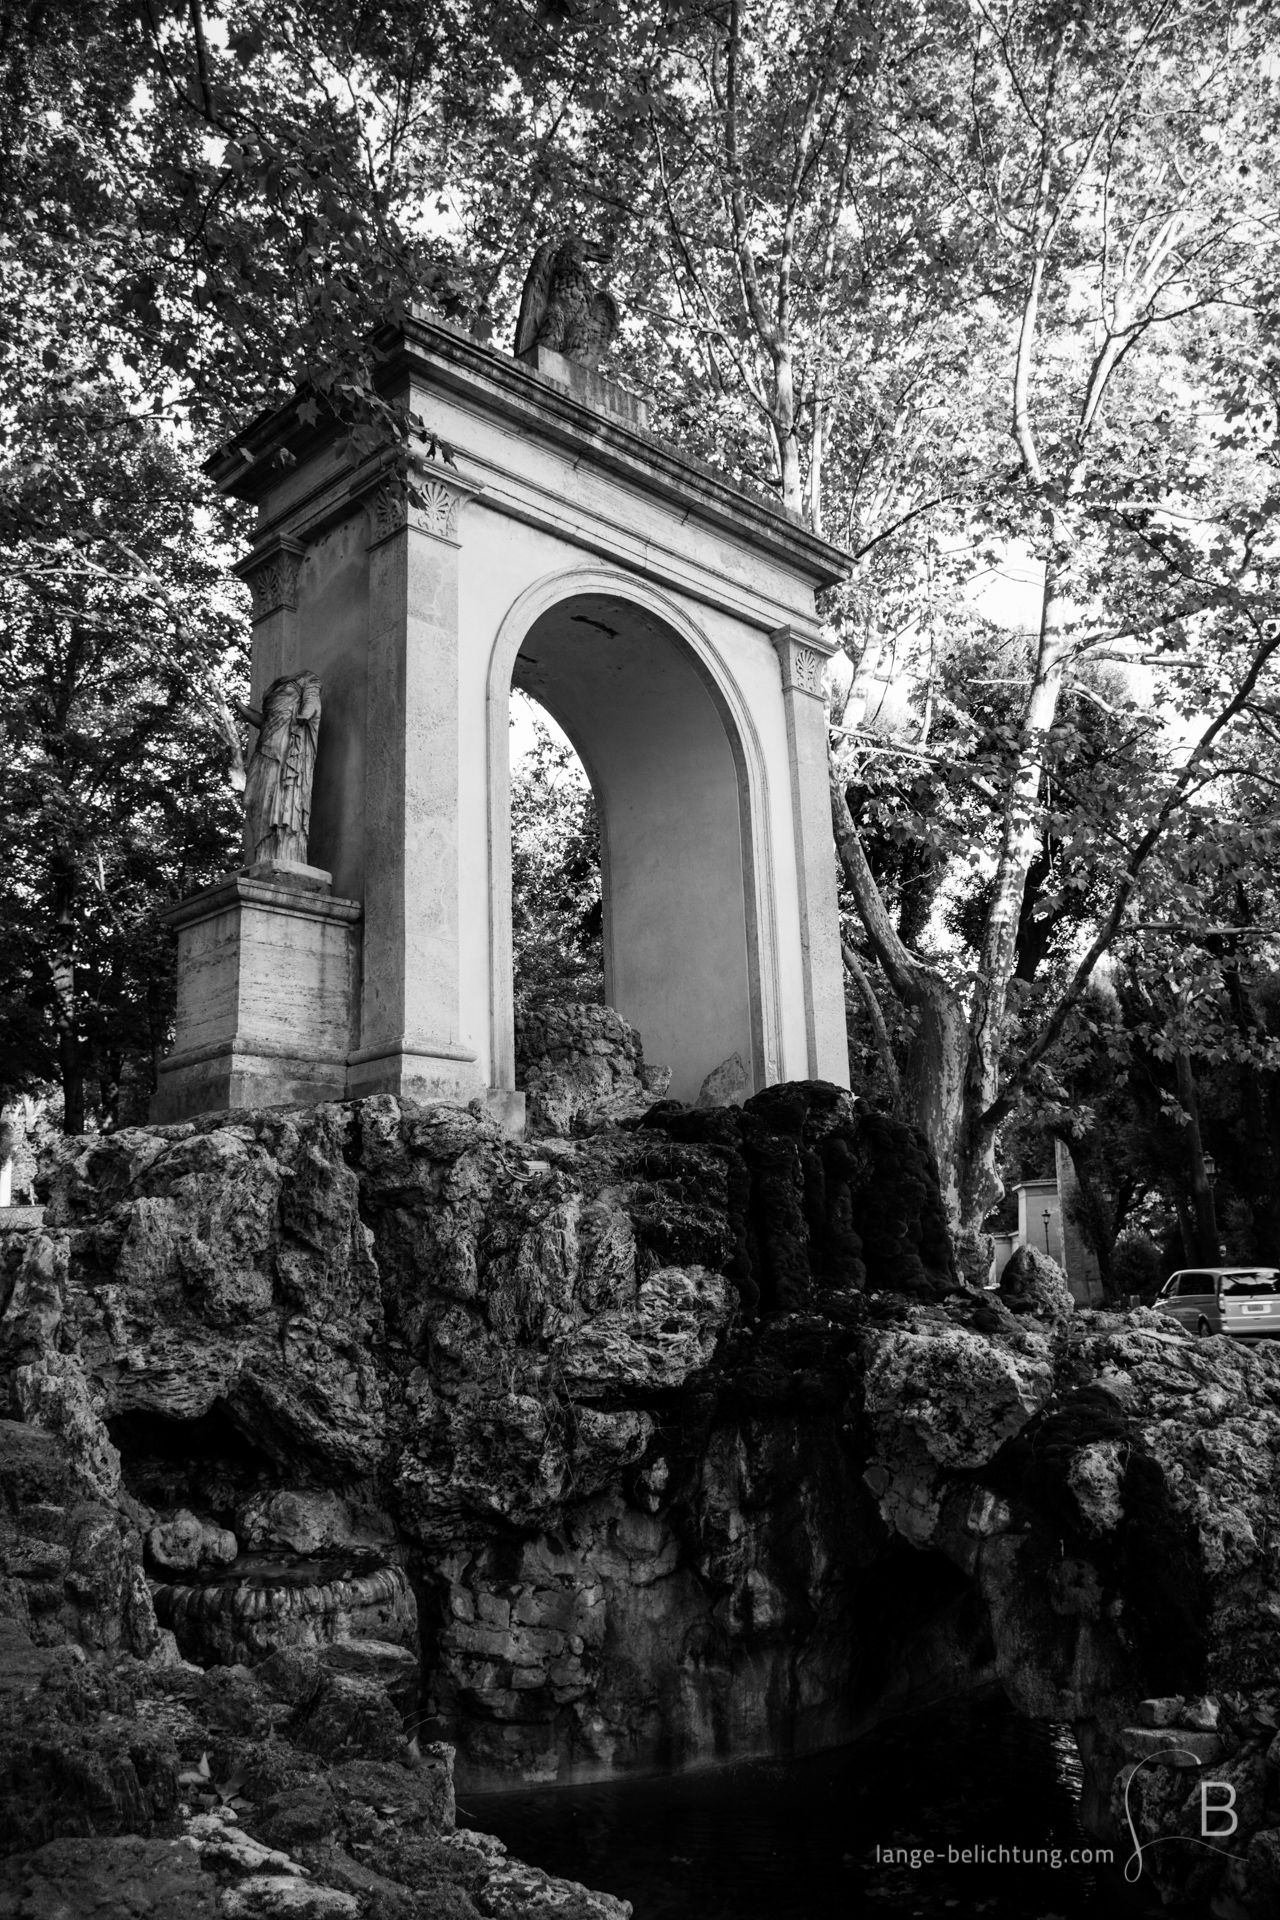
603,323
533,301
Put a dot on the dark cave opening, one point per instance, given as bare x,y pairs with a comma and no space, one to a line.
207,1463
923,1638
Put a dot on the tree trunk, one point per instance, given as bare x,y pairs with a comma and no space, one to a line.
1096,1218
880,1031
1265,1205
784,429
63,975
817,451
1208,1248
980,1183
1186,1229
933,1083
110,1074
1260,1114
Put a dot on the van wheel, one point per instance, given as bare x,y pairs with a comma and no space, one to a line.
1202,1327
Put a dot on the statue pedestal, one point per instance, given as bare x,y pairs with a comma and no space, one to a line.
267,963
592,388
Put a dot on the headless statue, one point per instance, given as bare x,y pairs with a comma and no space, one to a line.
277,793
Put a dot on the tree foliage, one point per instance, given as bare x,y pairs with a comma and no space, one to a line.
115,795
555,875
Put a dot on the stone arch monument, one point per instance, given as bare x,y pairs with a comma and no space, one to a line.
535,535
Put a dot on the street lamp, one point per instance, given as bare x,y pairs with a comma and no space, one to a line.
1046,1216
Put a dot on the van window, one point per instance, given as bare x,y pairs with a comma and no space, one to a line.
1196,1283
1261,1282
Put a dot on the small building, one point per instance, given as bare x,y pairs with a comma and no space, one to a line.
1046,1221
1040,1217
1003,1245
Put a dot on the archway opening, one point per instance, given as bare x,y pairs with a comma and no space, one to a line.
665,770
557,943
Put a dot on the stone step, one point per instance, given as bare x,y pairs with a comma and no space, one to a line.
380,1660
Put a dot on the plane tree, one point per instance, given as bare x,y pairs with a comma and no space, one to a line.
1129,270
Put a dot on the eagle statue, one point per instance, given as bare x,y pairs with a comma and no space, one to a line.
562,308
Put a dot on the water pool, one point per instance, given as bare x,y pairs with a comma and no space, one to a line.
798,1840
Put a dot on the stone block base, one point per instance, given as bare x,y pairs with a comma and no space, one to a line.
266,969
507,1108
231,1079
426,1072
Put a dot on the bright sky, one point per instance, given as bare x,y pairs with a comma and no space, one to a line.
1011,593
523,734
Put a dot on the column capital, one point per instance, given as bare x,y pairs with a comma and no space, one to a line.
802,658
425,495
271,574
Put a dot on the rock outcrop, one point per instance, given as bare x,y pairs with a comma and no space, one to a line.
132,1781
582,1068
661,1444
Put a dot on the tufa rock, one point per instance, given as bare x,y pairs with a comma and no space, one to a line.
108,1879
1160,1713
1034,1284
183,1543
1171,1746
727,1085
582,1069
311,1522
693,1444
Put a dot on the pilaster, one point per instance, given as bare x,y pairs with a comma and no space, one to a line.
271,575
802,658
410,1040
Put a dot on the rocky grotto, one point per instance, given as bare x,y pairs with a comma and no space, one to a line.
353,1450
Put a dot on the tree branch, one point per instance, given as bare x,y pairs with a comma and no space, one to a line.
1001,1108
884,1047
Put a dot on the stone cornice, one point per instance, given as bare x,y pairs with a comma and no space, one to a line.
442,357
237,889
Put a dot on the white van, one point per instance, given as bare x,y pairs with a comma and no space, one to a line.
1243,1301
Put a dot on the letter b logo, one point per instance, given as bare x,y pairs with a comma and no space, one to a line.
1220,1809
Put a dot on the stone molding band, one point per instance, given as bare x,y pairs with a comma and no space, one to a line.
236,889
416,1049
240,1049
251,1049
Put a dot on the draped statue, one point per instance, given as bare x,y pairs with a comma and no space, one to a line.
277,793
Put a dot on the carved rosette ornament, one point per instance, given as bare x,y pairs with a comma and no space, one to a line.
428,502
802,664
388,511
438,512
272,578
